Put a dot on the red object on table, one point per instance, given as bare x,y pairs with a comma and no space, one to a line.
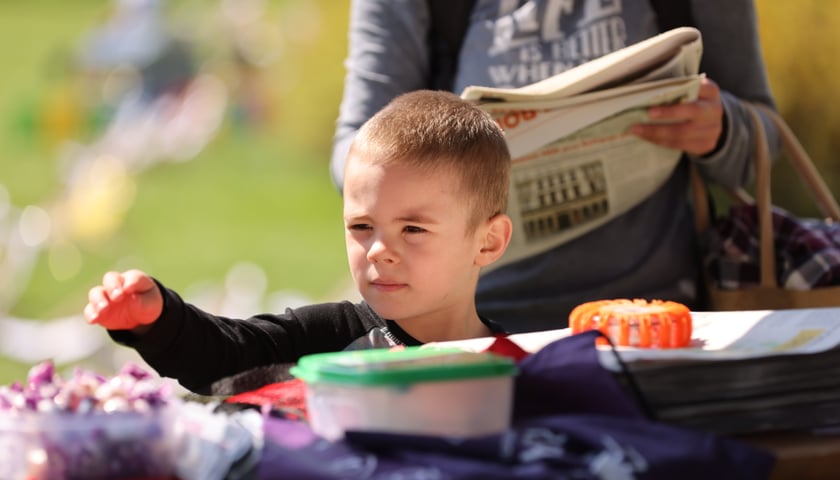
288,397
506,347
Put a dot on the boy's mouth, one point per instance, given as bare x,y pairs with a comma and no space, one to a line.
387,285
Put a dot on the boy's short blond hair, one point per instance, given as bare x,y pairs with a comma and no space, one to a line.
438,131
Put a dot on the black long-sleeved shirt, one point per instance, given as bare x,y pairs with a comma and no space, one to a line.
198,348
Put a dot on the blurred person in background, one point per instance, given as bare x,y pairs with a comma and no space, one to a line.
134,40
650,251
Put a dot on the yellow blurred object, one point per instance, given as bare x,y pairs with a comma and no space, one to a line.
97,200
62,116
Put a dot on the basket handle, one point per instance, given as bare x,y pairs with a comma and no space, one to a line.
810,176
808,173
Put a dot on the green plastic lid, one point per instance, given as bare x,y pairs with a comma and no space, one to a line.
410,365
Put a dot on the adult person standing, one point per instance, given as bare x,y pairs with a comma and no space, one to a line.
648,252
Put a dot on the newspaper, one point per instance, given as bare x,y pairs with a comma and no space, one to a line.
741,335
575,167
744,372
716,336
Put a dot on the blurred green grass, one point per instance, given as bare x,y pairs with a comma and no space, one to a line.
244,198
261,196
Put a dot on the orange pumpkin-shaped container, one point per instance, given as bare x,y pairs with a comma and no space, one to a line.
635,323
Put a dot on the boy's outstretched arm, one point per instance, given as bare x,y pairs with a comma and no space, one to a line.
129,300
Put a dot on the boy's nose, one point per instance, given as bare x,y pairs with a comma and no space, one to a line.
380,252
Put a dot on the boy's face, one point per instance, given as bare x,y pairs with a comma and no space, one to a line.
407,242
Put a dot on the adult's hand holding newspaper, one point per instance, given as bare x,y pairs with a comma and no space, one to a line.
569,136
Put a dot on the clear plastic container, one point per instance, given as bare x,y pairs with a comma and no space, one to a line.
60,445
444,392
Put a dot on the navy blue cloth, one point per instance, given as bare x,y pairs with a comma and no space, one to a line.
565,376
572,419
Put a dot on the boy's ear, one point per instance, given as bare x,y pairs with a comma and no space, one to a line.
496,239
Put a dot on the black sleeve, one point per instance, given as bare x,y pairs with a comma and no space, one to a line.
197,348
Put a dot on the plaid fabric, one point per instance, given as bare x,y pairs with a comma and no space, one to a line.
807,250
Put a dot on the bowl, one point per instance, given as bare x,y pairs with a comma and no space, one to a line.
60,445
87,425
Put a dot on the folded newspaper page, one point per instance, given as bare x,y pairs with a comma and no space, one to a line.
674,53
716,336
740,335
575,167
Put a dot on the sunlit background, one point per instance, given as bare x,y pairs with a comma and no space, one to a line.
208,169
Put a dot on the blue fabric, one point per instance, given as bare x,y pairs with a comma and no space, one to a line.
565,376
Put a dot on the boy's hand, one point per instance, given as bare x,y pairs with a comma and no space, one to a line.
125,301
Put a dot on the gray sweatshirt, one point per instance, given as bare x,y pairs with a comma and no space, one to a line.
650,251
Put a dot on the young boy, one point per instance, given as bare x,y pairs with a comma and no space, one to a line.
425,191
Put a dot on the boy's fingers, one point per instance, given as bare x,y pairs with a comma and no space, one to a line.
91,313
97,301
97,296
136,281
113,284
124,301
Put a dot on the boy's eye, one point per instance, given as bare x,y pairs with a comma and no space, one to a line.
360,227
413,229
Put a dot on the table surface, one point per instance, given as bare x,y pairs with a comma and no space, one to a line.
802,455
